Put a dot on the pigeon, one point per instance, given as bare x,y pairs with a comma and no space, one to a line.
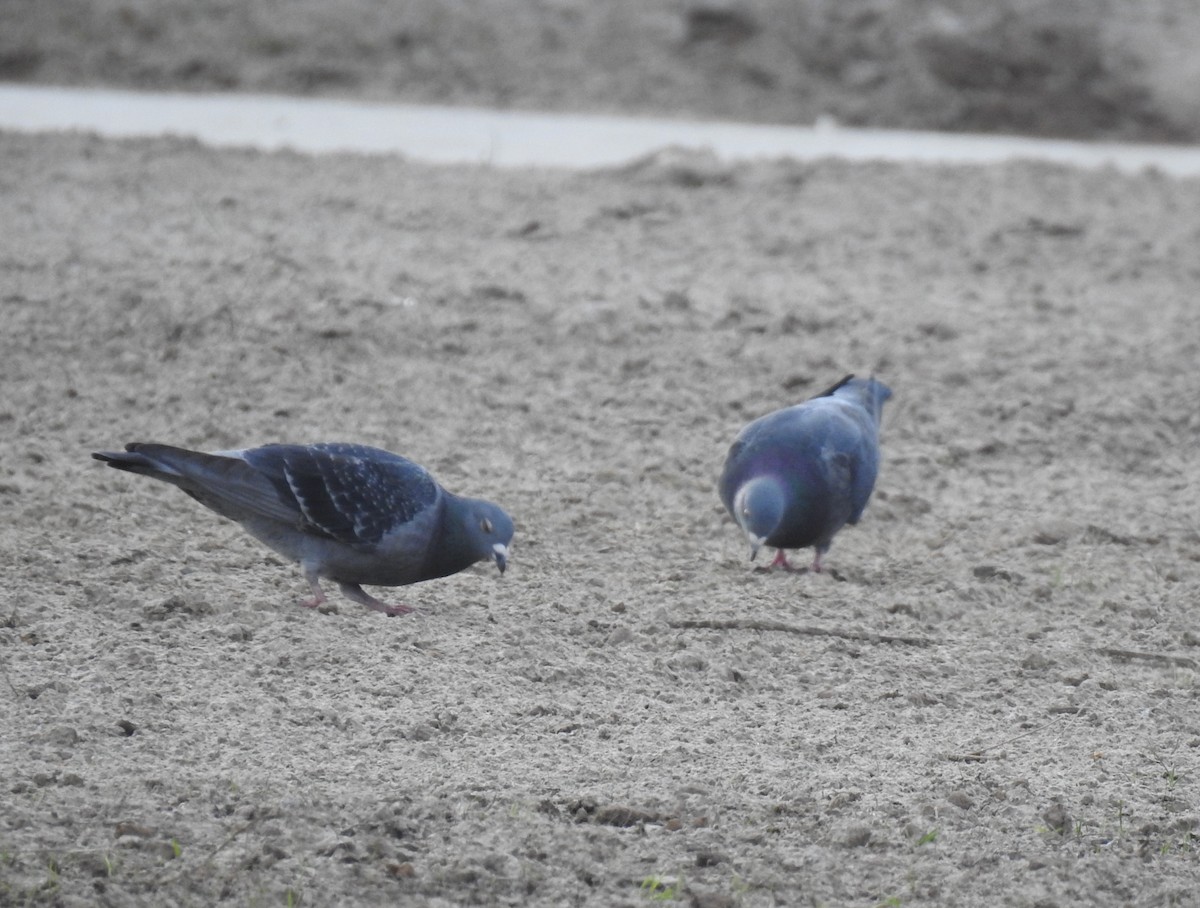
794,477
350,513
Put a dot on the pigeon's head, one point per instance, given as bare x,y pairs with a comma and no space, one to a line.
758,508
489,531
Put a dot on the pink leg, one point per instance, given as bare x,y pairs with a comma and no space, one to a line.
818,551
315,585
780,561
356,593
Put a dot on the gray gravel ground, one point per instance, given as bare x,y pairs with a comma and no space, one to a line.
991,699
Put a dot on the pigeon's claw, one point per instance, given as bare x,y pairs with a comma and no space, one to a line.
781,561
318,599
357,594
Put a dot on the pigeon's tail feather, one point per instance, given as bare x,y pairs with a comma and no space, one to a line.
227,484
165,462
134,460
828,392
879,394
868,393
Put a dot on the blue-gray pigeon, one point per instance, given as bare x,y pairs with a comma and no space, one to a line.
794,477
346,512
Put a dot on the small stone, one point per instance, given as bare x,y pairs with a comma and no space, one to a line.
62,735
711,899
961,800
1057,818
621,816
1053,532
993,572
858,837
619,634
421,731
137,830
1036,661
710,858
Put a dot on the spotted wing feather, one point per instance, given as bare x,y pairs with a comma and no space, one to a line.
350,493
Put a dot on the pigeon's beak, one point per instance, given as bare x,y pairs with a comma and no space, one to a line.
500,553
756,543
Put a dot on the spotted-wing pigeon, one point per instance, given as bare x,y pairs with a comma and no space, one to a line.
350,513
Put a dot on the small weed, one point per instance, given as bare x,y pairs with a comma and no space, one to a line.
890,902
1168,773
928,838
291,898
1185,845
176,848
52,875
659,890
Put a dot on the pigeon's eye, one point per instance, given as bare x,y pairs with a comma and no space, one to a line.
485,525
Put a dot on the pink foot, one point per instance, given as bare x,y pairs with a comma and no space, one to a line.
781,561
362,597
318,598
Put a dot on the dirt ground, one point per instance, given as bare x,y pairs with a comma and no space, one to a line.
1118,69
992,699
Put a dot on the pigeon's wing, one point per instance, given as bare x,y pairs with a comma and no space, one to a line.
351,493
841,436
227,484
858,448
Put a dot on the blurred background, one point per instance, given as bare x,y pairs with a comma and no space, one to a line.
1104,69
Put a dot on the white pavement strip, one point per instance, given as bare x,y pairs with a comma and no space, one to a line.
465,135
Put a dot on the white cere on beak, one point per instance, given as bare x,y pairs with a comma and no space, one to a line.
756,543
